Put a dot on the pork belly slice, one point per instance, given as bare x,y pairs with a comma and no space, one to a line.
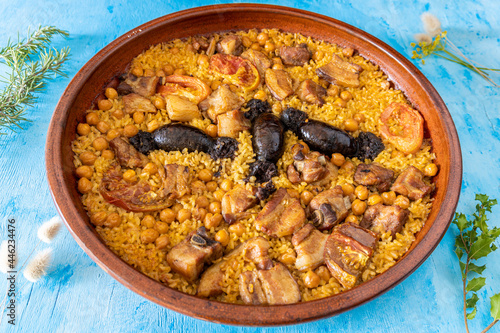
176,179
235,203
381,218
294,55
347,250
255,250
309,243
230,45
134,102
312,167
126,154
311,92
144,85
281,216
374,175
340,72
221,101
279,83
272,286
231,123
411,184
329,208
189,257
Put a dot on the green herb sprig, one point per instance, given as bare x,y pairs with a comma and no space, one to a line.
31,61
475,241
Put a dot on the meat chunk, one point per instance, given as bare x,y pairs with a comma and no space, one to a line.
309,243
311,92
235,203
134,102
176,181
340,72
272,286
279,83
126,154
329,208
258,59
221,101
347,251
374,174
232,123
190,256
144,85
181,109
255,250
230,45
295,55
381,218
411,184
312,167
200,43
281,216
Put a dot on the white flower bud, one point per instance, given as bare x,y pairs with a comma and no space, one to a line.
432,25
49,229
37,267
423,38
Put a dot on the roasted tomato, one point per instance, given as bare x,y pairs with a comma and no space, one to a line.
403,127
240,72
182,85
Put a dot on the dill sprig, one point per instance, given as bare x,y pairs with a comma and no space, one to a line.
475,241
32,62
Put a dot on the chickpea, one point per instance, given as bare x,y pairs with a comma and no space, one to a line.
318,55
168,69
261,94
269,47
374,199
84,185
100,143
277,108
288,258
138,117
130,130
358,207
161,227
278,66
160,73
348,52
151,168
402,201
338,159
103,127
118,114
179,71
397,154
174,50
361,192
388,197
277,60
111,93
212,220
203,60
107,154
262,38
255,46
222,237
200,213
352,219
148,221
359,117
247,42
333,90
84,171
162,242
149,236
211,130
430,170
167,215
202,202
346,96
113,220
149,72
348,166
159,103
323,273
114,133
198,187
215,84
306,197
340,102
130,176
104,104
83,129
183,215
293,193
351,125
176,208
205,175
311,279
348,189
99,218
92,118
226,185
214,207
238,229
212,186
137,71
88,157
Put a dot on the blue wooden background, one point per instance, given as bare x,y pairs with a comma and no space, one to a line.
77,296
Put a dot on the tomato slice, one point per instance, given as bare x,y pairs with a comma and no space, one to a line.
403,127
190,87
239,71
